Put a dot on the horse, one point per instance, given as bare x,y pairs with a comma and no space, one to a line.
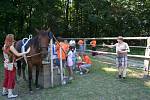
38,51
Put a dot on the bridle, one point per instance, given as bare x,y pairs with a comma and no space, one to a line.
44,47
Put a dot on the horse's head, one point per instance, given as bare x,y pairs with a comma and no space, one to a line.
44,39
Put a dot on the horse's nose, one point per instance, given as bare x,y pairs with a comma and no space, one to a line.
44,53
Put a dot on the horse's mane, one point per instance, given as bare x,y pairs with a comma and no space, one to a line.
35,42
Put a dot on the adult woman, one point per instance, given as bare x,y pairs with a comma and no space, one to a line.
10,54
122,49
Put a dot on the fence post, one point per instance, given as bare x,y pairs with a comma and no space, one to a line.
84,45
61,66
52,66
147,54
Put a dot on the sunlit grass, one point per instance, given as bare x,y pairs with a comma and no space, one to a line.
147,83
100,84
109,69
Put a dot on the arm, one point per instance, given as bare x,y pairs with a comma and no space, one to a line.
109,46
14,51
127,46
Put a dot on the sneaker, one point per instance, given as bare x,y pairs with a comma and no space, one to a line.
87,71
4,93
119,76
64,82
70,78
12,96
81,73
124,77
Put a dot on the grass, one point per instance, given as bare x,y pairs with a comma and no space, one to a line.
100,84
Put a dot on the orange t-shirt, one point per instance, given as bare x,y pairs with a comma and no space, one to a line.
65,48
87,59
93,43
80,42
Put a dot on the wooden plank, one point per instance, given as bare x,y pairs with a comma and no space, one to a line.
109,38
129,55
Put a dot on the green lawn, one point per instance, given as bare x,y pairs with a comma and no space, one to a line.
100,84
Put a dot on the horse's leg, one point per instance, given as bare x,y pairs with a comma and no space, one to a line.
23,71
19,68
30,76
37,77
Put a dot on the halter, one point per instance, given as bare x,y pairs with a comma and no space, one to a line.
25,42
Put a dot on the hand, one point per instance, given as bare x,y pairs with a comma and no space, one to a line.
120,51
24,53
28,50
104,44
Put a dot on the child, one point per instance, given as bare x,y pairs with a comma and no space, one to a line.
70,63
74,57
86,64
79,62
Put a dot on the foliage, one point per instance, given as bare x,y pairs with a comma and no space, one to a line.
75,18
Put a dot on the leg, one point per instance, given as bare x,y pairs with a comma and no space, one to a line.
85,67
11,79
11,83
124,68
37,77
23,71
30,76
5,83
120,72
124,72
19,68
119,65
64,66
70,71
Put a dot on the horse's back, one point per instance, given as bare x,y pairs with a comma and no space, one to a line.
19,44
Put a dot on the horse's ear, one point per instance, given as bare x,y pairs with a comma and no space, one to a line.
48,30
37,30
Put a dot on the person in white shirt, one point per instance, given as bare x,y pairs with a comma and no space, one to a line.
122,49
70,63
72,43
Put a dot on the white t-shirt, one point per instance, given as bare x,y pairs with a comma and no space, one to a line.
122,47
69,58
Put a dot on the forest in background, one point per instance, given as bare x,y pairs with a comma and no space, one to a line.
75,18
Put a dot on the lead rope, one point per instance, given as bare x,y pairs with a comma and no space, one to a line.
24,44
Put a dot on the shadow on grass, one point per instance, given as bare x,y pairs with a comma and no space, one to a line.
100,84
133,75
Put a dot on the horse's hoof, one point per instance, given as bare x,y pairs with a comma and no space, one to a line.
24,79
31,92
37,88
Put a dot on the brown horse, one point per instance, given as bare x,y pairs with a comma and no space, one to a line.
39,50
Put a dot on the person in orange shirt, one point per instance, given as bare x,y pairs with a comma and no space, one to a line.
65,49
93,44
86,64
81,46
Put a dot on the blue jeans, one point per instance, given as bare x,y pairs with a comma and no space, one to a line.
86,66
81,48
